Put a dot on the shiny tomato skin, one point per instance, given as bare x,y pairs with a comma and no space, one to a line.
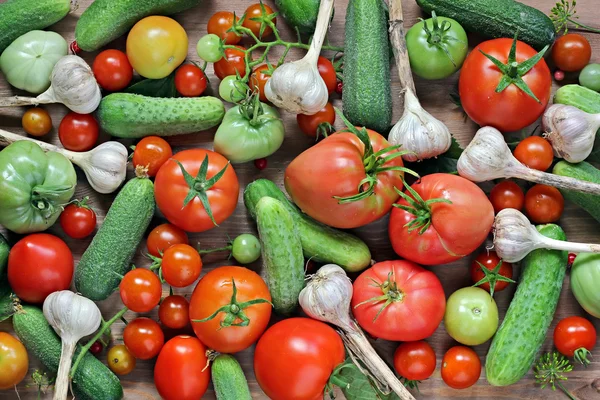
190,80
312,350
219,23
170,190
214,291
112,70
233,61
14,361
414,360
456,229
174,312
140,290
507,194
571,52
78,222
151,152
36,122
335,167
490,259
327,72
512,109
181,265
309,124
535,152
143,338
164,236
78,132
544,204
574,333
259,79
180,372
255,11
120,360
461,367
422,301
39,264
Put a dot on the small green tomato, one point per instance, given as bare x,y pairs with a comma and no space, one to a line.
471,316
589,77
232,90
209,48
246,248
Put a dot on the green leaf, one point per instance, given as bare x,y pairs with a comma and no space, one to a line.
6,299
355,385
446,163
164,87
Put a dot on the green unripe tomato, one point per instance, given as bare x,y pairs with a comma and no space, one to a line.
209,48
590,77
585,281
471,316
232,90
246,248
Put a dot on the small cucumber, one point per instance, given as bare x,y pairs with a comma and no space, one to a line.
6,301
578,96
517,342
228,379
4,250
301,14
281,254
585,172
130,116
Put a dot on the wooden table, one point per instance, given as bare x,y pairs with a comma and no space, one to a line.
434,95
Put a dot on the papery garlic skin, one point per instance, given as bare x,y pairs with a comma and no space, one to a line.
514,236
571,131
105,166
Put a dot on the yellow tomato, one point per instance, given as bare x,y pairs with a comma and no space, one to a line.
156,46
13,361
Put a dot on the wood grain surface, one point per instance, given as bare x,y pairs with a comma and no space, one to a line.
434,95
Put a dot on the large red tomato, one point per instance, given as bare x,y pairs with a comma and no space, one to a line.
414,294
295,357
327,181
239,324
181,189
510,109
441,232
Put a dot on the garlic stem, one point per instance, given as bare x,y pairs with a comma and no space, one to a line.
398,39
61,388
21,101
323,18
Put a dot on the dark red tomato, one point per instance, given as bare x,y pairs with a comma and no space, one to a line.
190,81
181,265
312,350
461,367
96,348
575,337
233,61
393,291
319,124
174,312
143,338
254,12
535,152
140,290
151,152
259,79
220,23
327,72
78,132
164,236
544,204
507,194
414,361
571,52
78,220
39,264
112,70
181,371
490,260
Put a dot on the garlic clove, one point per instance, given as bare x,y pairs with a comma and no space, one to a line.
105,166
571,131
514,236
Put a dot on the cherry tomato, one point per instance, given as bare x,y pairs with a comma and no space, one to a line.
120,360
190,80
78,132
571,52
14,361
96,348
259,79
232,61
36,121
174,312
327,72
181,265
490,260
140,290
544,204
414,361
143,338
220,23
461,367
152,152
575,337
255,11
535,152
317,124
78,220
112,70
260,163
164,236
507,194
571,259
209,48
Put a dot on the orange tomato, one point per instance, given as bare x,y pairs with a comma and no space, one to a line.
13,361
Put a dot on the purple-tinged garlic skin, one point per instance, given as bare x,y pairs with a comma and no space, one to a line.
571,131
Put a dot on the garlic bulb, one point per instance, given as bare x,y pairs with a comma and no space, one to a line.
297,86
571,131
72,317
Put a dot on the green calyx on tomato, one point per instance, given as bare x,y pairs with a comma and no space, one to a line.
492,276
390,294
419,208
437,35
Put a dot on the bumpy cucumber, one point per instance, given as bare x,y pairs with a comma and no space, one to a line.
585,172
301,14
4,250
228,379
578,96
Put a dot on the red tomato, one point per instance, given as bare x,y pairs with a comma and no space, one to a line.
181,265
215,290
507,194
140,290
414,294
259,79
456,229
511,109
143,338
181,371
220,23
461,367
414,361
312,350
490,260
317,124
38,265
190,81
164,236
254,12
335,167
78,132
233,61
78,220
151,152
535,152
327,72
171,189
112,70
575,337
571,52
174,312
544,204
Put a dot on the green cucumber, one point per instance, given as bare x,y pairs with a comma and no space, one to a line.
18,17
130,116
105,20
4,250
585,172
281,251
6,300
516,344
92,381
497,19
578,96
109,255
319,241
301,14
228,379
367,95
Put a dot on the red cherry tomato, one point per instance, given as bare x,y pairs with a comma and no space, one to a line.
78,132
259,79
253,12
174,312
507,194
575,337
96,348
164,236
327,72
260,163
143,338
571,52
544,204
232,62
112,70
181,265
319,123
220,23
461,367
414,361
535,152
140,290
190,80
489,259
78,220
152,152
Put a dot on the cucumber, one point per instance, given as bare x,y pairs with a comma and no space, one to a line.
516,344
92,381
497,19
105,20
130,116
6,301
301,14
319,241
109,255
281,251
578,96
367,95
228,379
585,172
18,17
4,250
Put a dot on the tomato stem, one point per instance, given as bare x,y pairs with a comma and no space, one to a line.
390,294
492,277
581,356
419,208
